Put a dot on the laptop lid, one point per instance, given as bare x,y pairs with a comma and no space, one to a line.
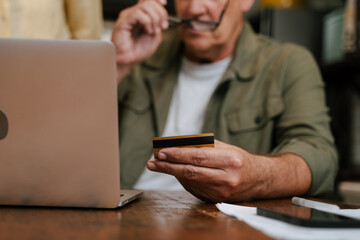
58,123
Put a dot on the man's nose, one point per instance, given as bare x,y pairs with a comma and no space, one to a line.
196,7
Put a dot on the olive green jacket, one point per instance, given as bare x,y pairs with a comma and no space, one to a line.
269,101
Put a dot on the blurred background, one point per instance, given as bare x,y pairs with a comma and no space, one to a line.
330,29
51,19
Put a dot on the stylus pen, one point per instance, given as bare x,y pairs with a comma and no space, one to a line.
314,204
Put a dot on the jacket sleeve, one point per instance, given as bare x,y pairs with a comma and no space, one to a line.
303,128
84,18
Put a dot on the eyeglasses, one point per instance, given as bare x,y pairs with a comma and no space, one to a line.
196,24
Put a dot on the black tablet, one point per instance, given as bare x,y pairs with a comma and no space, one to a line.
308,217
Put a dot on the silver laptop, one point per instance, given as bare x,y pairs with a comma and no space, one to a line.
59,124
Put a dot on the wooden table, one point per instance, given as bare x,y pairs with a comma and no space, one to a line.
157,215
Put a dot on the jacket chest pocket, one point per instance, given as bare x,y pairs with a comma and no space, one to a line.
253,128
250,119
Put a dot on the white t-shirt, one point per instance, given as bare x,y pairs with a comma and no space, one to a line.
196,84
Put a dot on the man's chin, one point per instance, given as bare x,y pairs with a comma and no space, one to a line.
192,36
197,44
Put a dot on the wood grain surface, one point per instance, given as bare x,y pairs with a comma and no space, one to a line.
157,215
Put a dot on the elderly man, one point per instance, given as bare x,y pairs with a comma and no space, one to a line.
264,101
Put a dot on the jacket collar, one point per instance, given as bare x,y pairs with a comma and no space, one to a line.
243,65
160,75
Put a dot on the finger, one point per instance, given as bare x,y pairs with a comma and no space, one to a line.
146,22
162,2
219,144
189,172
158,15
132,18
204,191
204,157
145,15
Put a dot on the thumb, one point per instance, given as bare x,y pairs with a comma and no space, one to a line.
162,2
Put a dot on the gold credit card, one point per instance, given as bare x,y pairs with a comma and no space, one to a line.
197,140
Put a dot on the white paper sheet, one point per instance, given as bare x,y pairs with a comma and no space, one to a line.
353,213
281,230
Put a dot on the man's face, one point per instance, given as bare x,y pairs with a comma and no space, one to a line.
210,10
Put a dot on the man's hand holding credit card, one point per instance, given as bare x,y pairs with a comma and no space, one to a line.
202,165
215,174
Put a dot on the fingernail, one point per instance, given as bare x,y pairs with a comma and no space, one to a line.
165,25
151,165
158,30
162,156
